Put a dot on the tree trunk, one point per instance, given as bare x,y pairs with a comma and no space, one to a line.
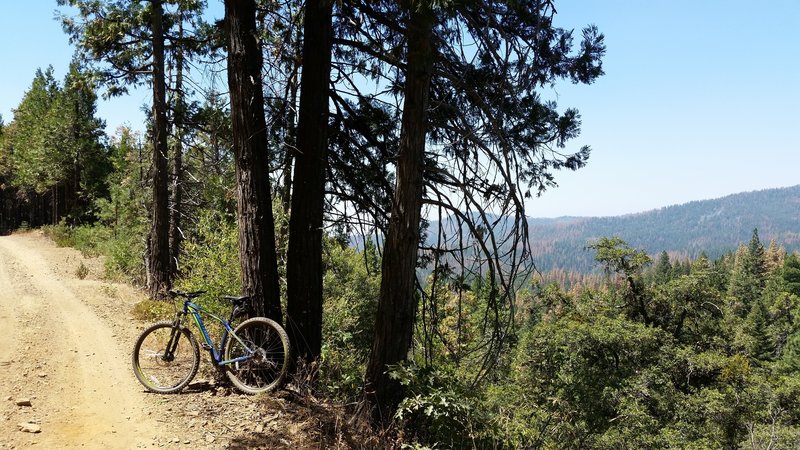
397,304
75,205
176,196
54,203
304,261
72,185
256,224
285,190
159,262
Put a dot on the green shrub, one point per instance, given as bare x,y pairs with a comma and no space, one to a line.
60,234
125,256
439,410
91,240
123,247
211,257
153,310
350,294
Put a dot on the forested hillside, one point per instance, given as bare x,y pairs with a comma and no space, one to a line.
683,231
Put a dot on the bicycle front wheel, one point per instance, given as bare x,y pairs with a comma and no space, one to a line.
161,369
267,345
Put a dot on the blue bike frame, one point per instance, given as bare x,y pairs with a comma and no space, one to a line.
216,355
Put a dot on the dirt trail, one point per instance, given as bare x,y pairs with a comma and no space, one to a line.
58,353
65,345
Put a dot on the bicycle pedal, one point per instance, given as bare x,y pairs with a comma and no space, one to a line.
205,346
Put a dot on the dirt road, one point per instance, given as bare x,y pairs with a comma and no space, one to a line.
57,352
65,343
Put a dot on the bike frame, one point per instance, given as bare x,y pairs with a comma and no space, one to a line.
194,310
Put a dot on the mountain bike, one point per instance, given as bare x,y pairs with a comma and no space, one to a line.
254,355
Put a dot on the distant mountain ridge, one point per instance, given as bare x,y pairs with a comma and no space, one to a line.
714,226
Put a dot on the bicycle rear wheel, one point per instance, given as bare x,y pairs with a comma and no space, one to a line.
159,369
267,367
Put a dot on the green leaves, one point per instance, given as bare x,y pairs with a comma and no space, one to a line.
438,407
211,262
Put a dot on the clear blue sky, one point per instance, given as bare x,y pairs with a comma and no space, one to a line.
700,99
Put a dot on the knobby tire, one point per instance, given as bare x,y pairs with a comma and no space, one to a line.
267,369
165,375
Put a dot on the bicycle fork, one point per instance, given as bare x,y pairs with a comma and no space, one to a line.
172,344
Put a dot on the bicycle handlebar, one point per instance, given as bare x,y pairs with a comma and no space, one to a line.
186,294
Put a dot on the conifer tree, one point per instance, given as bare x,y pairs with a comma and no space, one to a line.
31,154
257,251
487,110
82,156
397,306
774,256
758,320
55,148
757,259
128,43
791,353
125,41
791,273
748,276
304,269
701,263
662,269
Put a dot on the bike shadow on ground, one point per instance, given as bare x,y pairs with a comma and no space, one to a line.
202,386
199,387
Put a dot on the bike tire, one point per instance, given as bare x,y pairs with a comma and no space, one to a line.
267,369
155,372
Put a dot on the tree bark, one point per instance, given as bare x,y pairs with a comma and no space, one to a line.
176,196
159,258
72,185
304,260
397,304
254,204
285,189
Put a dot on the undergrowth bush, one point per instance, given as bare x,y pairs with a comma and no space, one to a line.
438,410
153,310
60,234
211,263
125,257
123,248
82,271
91,240
211,257
350,295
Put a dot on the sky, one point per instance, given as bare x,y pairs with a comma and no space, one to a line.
700,99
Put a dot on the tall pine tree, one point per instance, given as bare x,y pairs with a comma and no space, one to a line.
254,202
748,276
489,142
304,269
128,43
